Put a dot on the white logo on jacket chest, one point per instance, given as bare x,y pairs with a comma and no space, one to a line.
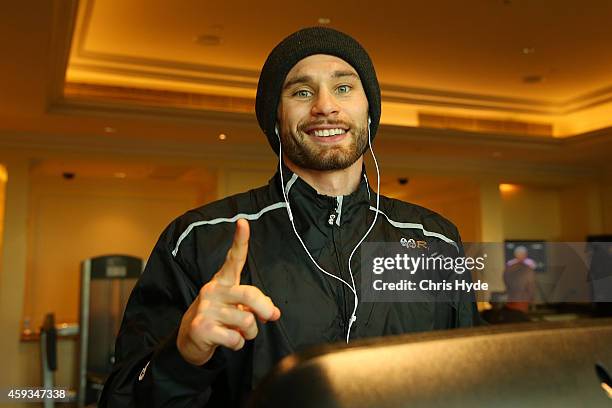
411,243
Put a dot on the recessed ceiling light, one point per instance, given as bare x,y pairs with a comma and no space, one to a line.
222,136
403,180
207,39
109,129
324,20
120,174
496,154
508,188
528,50
533,79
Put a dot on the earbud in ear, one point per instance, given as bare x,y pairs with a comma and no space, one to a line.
276,130
369,121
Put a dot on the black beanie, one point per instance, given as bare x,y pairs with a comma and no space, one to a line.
299,45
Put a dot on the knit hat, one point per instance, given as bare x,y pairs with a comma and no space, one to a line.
299,45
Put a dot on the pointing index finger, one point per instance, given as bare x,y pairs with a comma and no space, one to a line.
229,274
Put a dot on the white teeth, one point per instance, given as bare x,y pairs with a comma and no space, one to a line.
328,132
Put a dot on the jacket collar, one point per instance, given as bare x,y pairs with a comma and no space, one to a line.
302,195
316,215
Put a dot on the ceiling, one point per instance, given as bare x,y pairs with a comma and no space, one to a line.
138,76
477,47
535,61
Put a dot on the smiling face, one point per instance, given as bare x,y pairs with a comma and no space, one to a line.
323,114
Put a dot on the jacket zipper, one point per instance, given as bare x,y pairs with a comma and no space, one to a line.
334,216
333,219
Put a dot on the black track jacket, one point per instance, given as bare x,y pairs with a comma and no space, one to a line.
149,371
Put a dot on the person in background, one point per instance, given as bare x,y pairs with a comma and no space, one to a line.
519,278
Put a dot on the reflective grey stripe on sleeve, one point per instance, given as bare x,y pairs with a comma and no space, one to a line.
235,218
143,372
290,183
414,225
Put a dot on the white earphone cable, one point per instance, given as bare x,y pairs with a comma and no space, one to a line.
354,316
352,286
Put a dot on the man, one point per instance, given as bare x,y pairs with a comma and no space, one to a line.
234,286
519,278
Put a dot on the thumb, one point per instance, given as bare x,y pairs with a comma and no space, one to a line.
229,274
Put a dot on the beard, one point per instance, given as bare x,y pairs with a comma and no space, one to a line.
310,155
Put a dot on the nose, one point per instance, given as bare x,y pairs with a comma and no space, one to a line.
325,104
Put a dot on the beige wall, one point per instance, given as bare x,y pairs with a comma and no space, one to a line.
581,211
235,180
72,220
19,359
556,213
461,208
532,212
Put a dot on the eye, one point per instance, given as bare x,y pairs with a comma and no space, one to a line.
303,93
343,89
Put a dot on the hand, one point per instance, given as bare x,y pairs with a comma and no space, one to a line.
223,313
